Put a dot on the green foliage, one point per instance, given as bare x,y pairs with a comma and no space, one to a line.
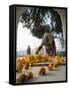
36,19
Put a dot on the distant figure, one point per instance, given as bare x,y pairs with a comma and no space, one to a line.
28,50
49,43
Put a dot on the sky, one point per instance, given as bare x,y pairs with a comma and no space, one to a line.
25,38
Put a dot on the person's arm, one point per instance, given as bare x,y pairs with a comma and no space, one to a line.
39,48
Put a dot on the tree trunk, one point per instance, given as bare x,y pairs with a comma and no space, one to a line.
49,43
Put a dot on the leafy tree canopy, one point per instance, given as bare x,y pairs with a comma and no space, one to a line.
41,20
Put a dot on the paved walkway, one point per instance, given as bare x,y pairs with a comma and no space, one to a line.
58,74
